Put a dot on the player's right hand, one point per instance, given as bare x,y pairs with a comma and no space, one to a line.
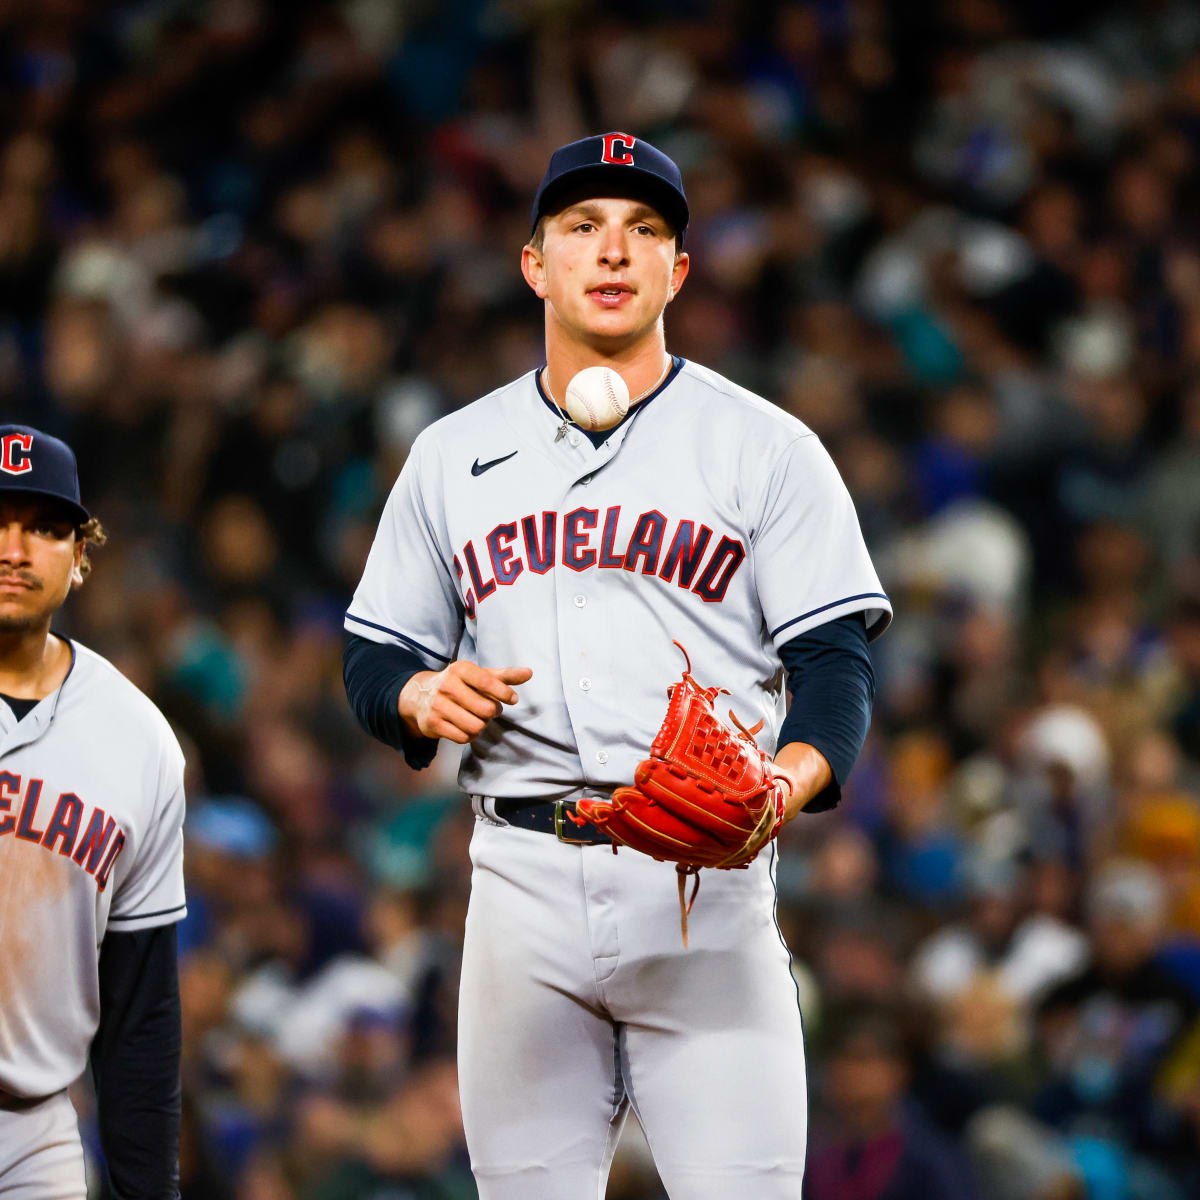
458,702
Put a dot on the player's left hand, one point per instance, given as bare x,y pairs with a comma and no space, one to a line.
706,797
806,773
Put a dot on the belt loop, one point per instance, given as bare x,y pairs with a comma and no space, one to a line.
484,807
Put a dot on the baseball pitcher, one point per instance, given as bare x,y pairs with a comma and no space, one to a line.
605,588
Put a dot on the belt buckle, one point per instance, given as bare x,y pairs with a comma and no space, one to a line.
562,822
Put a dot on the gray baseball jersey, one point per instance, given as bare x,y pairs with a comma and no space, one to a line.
710,517
91,839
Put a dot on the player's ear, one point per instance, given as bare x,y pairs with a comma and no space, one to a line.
77,564
679,272
533,267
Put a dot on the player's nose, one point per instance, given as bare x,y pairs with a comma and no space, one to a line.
13,548
614,249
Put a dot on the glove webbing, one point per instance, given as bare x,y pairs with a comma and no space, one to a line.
766,829
706,762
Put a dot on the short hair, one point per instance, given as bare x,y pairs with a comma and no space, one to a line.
90,533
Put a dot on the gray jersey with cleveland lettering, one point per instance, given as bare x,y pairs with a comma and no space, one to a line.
709,517
91,840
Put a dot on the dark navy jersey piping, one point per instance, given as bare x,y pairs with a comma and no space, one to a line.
677,364
772,868
158,912
812,612
772,872
396,633
58,691
71,647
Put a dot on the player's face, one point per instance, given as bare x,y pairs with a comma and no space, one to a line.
40,560
607,269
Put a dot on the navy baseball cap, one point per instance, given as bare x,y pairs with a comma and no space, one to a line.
612,164
35,462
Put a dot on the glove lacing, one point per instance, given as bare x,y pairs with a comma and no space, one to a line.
768,826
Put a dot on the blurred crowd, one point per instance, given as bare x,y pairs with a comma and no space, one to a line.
249,249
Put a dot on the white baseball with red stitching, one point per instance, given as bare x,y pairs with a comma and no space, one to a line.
597,398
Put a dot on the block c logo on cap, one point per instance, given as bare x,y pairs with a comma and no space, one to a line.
614,142
14,453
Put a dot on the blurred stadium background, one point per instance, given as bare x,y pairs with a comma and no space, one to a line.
249,249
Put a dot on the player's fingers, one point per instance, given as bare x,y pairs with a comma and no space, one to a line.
501,677
471,674
448,732
494,682
461,682
514,674
474,701
457,717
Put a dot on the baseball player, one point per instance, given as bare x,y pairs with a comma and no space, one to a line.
525,586
91,865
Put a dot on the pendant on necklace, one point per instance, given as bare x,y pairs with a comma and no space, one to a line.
562,432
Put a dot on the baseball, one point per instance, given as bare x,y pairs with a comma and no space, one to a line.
597,398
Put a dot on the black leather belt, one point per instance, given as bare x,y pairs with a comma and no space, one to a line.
551,816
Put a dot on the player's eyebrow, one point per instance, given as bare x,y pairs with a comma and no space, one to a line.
588,210
644,212
582,209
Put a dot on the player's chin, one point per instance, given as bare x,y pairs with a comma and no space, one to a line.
15,622
25,610
618,326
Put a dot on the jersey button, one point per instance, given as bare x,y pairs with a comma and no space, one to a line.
580,601
573,438
585,684
602,757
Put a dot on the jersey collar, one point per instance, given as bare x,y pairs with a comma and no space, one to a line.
14,733
604,434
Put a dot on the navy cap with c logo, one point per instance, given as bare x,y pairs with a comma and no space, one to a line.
35,462
612,164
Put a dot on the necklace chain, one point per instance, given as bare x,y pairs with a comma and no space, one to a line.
566,421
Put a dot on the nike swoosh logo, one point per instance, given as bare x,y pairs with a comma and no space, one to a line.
478,468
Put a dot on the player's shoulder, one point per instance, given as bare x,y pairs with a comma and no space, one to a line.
114,702
479,417
722,398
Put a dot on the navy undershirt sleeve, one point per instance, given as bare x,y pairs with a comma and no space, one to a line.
375,674
135,1063
832,685
828,671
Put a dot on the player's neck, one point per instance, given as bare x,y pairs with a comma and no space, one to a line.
642,366
32,664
